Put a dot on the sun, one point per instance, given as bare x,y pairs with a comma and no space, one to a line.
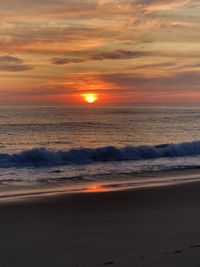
90,98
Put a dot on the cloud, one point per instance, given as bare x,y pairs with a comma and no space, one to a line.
160,5
13,64
10,60
58,26
106,55
130,45
78,9
62,61
118,54
173,83
23,9
124,84
57,37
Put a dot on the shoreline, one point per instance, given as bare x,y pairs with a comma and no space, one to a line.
100,185
126,183
137,227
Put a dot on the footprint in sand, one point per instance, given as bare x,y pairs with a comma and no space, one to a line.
138,258
108,262
195,246
178,251
174,252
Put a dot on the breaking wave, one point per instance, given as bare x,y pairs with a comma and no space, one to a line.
41,157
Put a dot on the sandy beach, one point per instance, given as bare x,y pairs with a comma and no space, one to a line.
139,227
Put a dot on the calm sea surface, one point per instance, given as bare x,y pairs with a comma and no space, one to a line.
65,148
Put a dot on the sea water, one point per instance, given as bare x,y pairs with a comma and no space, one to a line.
51,149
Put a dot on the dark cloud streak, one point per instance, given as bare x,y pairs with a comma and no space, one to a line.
13,64
112,55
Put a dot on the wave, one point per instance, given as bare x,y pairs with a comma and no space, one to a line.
41,157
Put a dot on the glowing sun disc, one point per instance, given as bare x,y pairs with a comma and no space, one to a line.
90,98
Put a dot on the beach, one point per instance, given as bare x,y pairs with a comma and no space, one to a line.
157,226
99,133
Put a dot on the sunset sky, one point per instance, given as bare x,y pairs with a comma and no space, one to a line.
126,51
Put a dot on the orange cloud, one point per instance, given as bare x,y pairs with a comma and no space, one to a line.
130,50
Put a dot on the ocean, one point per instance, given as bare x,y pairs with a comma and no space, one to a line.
45,150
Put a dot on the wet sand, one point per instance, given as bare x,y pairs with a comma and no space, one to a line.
138,227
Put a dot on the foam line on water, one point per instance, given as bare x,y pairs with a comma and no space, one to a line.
40,157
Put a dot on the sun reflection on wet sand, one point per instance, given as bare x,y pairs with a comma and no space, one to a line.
96,188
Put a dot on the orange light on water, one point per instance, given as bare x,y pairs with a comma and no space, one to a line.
90,98
95,188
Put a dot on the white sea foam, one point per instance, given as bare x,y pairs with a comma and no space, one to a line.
40,157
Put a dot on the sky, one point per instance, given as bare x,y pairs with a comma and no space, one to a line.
125,51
